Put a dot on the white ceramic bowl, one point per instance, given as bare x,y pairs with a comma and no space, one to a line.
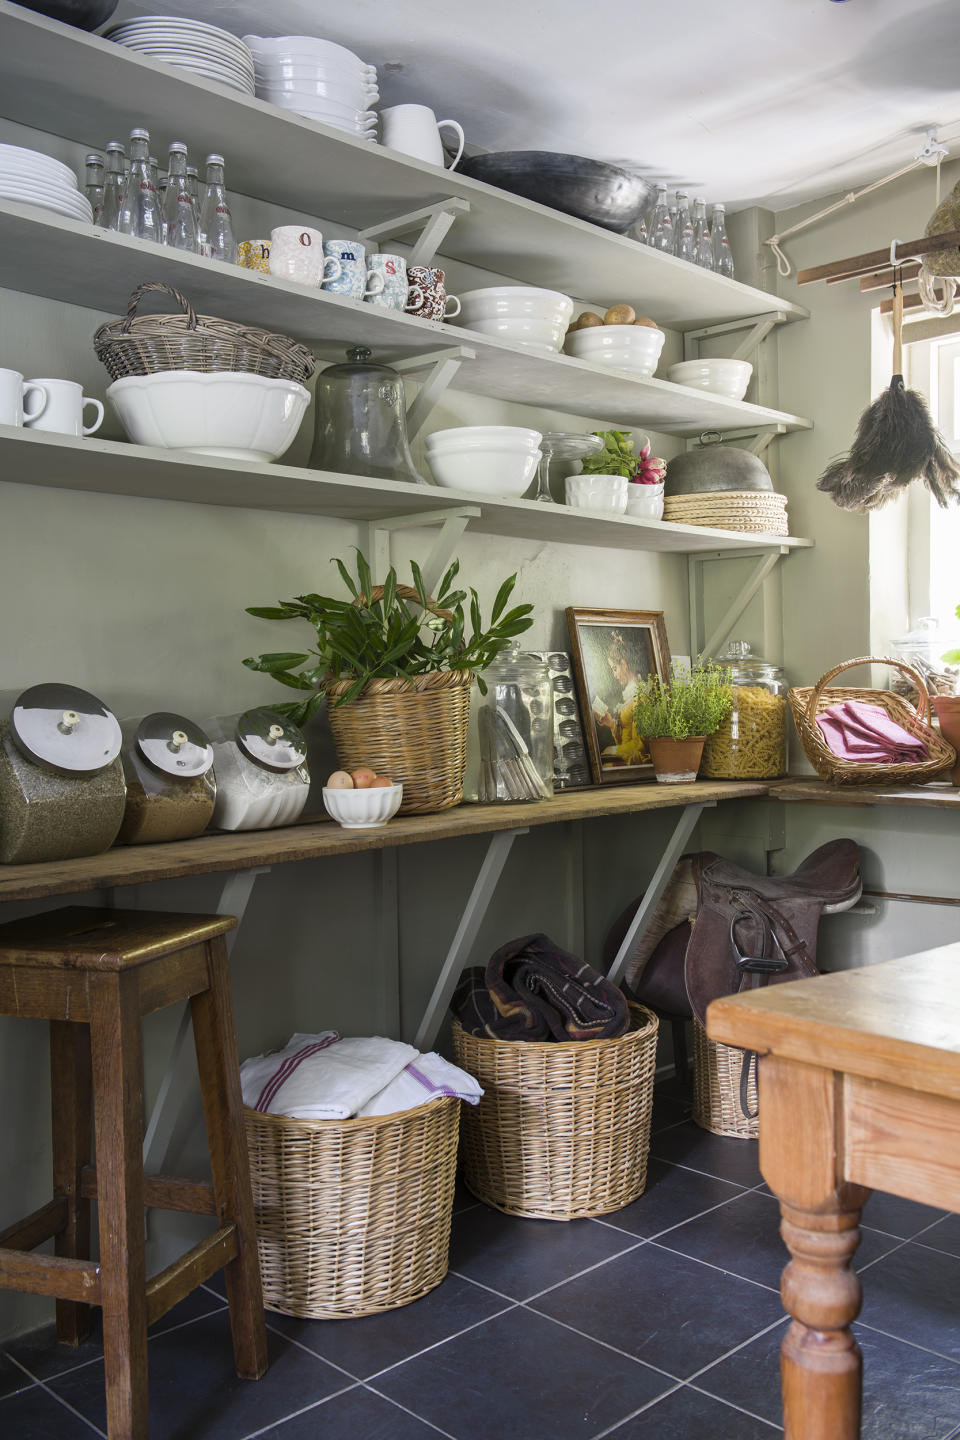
623,347
362,809
516,302
506,473
645,502
729,378
303,46
598,492
482,437
528,334
228,414
324,109
319,91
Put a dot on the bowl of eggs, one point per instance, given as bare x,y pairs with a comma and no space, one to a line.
360,799
619,339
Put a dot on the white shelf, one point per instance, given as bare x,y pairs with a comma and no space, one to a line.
63,259
36,457
60,80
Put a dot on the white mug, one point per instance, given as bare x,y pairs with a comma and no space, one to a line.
296,253
415,130
13,393
64,409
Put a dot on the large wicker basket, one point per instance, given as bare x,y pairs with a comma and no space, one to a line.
353,1216
807,702
717,1069
563,1129
148,344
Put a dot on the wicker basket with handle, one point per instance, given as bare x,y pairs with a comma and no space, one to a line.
412,730
149,344
717,1073
809,701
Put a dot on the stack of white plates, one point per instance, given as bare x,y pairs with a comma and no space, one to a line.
33,178
317,79
205,50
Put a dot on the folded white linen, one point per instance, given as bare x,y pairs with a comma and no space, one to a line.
322,1077
428,1077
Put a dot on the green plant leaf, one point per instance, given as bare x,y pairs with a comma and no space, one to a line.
281,660
346,577
503,595
951,657
272,612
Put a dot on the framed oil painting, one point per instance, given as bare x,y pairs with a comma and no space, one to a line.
613,651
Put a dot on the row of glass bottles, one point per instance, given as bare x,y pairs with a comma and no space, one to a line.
131,199
686,233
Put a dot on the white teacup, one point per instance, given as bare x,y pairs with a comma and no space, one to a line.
296,253
14,393
64,409
415,130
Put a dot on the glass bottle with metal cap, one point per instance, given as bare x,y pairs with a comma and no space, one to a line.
168,766
752,743
217,240
362,421
140,206
260,764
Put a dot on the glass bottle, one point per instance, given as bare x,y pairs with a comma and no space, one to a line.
193,185
140,209
179,216
93,185
751,744
702,244
113,184
661,226
683,246
217,240
722,254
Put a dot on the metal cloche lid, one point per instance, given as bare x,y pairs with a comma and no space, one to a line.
271,740
66,728
174,744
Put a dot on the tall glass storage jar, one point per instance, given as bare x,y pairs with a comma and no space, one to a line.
260,764
168,766
752,743
62,791
515,730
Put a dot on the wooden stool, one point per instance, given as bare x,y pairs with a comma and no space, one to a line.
94,974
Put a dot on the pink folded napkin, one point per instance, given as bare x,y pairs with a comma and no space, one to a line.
855,730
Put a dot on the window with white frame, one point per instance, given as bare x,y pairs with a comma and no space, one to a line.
933,368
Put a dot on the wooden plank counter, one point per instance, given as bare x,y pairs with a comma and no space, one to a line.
316,838
941,795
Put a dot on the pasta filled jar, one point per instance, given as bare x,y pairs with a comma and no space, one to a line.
752,743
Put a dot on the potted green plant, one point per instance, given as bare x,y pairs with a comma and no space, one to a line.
395,666
676,716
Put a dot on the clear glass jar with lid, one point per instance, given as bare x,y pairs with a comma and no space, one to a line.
62,791
260,764
752,743
515,730
923,648
168,767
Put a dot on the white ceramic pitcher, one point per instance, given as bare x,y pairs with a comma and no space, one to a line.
415,130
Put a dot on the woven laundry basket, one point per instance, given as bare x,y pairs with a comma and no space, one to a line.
352,1216
716,1087
563,1129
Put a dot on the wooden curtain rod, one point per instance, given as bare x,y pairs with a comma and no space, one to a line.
883,279
857,265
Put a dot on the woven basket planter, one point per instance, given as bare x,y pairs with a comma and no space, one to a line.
563,1129
352,1216
414,731
716,1087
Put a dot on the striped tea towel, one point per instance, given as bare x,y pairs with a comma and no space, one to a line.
428,1077
322,1077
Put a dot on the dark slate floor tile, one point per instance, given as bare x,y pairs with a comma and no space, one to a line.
688,1415
668,1110
744,1238
719,1155
35,1415
12,1378
194,1390
662,1308
900,1217
373,1342
520,1377
357,1415
907,1393
522,1257
945,1235
673,1194
462,1199
912,1294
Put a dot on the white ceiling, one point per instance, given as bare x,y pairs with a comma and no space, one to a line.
748,101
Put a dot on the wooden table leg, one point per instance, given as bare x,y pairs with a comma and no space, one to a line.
72,1139
801,1159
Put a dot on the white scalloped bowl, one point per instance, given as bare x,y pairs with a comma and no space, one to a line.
500,471
362,809
729,378
623,347
526,316
228,414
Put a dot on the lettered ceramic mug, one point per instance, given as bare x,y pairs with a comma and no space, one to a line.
14,396
296,253
254,255
64,409
395,291
415,130
434,301
354,280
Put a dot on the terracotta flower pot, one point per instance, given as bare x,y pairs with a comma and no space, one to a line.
947,709
676,762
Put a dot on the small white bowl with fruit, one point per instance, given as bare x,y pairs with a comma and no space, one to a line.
360,799
619,339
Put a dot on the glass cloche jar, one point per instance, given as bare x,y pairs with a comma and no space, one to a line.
751,744
168,766
515,730
260,764
362,420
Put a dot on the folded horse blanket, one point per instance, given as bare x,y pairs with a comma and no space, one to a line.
533,990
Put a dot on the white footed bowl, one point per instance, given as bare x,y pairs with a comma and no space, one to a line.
729,378
598,492
229,414
521,314
362,809
504,472
623,347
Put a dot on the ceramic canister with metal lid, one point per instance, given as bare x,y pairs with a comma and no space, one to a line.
260,764
62,791
168,766
751,744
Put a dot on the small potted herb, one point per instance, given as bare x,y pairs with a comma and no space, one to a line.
676,716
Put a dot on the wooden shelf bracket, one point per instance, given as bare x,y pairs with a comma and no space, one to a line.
442,366
762,573
757,326
452,522
432,223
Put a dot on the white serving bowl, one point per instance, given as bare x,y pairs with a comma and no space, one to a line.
721,377
482,437
228,414
528,334
298,46
623,347
516,302
319,91
325,110
645,502
362,809
598,492
505,473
